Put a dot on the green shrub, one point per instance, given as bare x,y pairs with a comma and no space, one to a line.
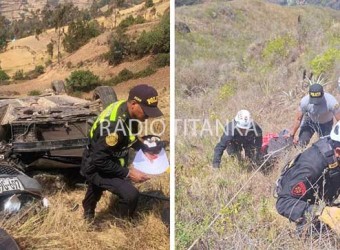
48,62
226,91
161,60
34,93
39,69
278,48
122,76
144,73
157,40
139,19
148,3
82,80
19,75
130,20
324,62
3,76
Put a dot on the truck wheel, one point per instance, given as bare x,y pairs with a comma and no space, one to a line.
58,87
106,95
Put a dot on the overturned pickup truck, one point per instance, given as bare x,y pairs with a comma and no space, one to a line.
48,131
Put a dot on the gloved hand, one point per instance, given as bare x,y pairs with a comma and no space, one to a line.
331,217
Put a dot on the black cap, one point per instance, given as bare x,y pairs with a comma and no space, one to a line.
147,97
152,144
315,93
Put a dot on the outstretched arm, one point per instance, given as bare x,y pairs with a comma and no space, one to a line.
297,122
219,148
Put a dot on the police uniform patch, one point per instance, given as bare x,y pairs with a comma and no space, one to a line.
111,139
299,189
336,106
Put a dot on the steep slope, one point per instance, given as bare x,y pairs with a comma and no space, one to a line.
246,54
62,226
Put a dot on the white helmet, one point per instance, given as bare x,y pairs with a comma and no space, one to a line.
335,133
243,119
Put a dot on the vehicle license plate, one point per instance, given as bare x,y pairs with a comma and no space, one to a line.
10,184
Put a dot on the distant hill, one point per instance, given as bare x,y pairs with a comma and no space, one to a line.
335,4
325,3
15,9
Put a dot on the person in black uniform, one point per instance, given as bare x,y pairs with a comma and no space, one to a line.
241,133
104,162
313,176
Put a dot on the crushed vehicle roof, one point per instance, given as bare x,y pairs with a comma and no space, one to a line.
44,109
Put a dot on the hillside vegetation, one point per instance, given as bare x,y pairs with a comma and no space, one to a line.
246,54
28,65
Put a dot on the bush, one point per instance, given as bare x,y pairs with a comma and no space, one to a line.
39,69
34,93
130,20
19,75
324,62
48,62
127,22
82,80
278,49
148,3
122,76
161,60
3,76
144,73
157,40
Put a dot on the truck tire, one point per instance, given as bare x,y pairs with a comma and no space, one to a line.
58,87
106,95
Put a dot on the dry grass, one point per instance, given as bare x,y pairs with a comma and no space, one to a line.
220,69
62,227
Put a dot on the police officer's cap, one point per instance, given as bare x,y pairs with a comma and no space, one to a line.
147,97
316,94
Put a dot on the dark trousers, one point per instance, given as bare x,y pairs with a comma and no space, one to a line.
308,129
127,193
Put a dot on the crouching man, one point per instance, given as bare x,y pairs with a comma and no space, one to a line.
105,163
313,176
240,134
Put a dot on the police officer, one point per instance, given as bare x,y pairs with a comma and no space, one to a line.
241,133
313,176
105,163
315,114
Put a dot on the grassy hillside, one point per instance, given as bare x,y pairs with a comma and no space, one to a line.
246,54
62,225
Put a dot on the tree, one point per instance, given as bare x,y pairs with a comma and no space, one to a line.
61,16
50,47
3,32
79,33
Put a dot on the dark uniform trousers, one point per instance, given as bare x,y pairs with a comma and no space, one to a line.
308,129
123,188
104,163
